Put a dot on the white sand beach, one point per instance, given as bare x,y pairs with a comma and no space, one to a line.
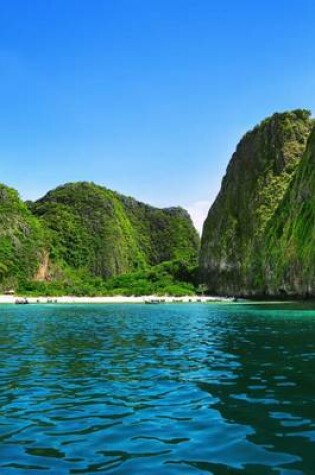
12,299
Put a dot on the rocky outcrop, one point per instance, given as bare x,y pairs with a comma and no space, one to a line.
246,244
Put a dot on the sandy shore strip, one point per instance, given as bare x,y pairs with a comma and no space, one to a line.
12,299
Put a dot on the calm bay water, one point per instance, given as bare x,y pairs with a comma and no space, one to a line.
166,389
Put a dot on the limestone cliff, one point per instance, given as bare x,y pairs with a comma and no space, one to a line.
289,247
237,240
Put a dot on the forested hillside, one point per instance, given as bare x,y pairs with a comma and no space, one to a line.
109,234
80,235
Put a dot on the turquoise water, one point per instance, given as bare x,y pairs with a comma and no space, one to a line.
166,389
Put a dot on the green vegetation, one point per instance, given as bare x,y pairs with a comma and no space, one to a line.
259,235
175,278
22,240
289,248
106,234
80,237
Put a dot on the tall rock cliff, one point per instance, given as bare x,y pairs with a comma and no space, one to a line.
289,247
261,182
108,234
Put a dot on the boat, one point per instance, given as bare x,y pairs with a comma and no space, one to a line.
21,301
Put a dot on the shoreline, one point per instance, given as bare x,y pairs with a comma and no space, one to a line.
119,299
122,299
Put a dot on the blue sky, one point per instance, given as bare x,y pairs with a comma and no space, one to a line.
147,97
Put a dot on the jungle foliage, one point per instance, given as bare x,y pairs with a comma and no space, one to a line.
175,278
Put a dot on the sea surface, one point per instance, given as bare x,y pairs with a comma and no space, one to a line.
157,389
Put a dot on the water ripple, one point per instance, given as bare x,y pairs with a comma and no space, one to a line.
167,390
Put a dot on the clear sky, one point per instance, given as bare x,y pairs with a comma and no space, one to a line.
147,97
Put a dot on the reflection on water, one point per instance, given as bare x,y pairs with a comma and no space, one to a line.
170,389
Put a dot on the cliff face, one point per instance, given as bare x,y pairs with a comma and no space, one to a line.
22,240
239,233
289,248
108,234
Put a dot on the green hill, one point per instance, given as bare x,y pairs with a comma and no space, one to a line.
80,235
108,234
